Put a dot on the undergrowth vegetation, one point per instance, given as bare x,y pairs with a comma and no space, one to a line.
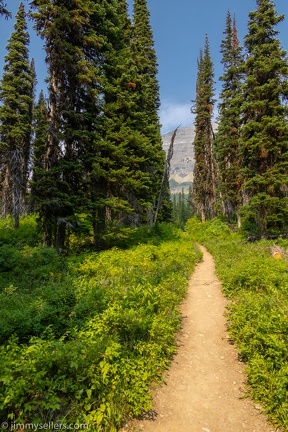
257,285
84,337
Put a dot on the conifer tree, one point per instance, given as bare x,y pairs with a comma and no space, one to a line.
16,94
148,99
125,179
204,185
227,145
146,61
72,55
129,138
264,143
182,209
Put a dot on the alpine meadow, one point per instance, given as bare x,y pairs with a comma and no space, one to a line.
95,250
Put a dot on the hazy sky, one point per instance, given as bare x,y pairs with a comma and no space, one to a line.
179,32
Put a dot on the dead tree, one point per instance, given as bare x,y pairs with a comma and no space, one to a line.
165,178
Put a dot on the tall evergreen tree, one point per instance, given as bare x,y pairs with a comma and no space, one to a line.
125,176
130,153
265,129
227,145
16,94
204,185
72,55
148,123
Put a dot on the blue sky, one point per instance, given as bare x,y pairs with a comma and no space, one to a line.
179,32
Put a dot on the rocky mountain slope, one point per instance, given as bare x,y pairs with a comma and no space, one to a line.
182,164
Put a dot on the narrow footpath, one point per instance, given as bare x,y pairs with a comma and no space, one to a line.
205,383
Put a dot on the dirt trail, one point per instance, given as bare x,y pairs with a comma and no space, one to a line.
205,381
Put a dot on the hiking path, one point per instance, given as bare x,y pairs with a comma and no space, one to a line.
205,385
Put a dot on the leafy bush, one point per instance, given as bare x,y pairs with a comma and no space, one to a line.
103,327
26,234
28,267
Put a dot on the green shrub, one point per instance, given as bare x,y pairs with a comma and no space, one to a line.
26,234
103,327
8,258
28,267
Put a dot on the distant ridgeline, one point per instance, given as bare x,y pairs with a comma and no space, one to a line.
182,164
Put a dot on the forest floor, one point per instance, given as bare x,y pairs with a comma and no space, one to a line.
205,386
